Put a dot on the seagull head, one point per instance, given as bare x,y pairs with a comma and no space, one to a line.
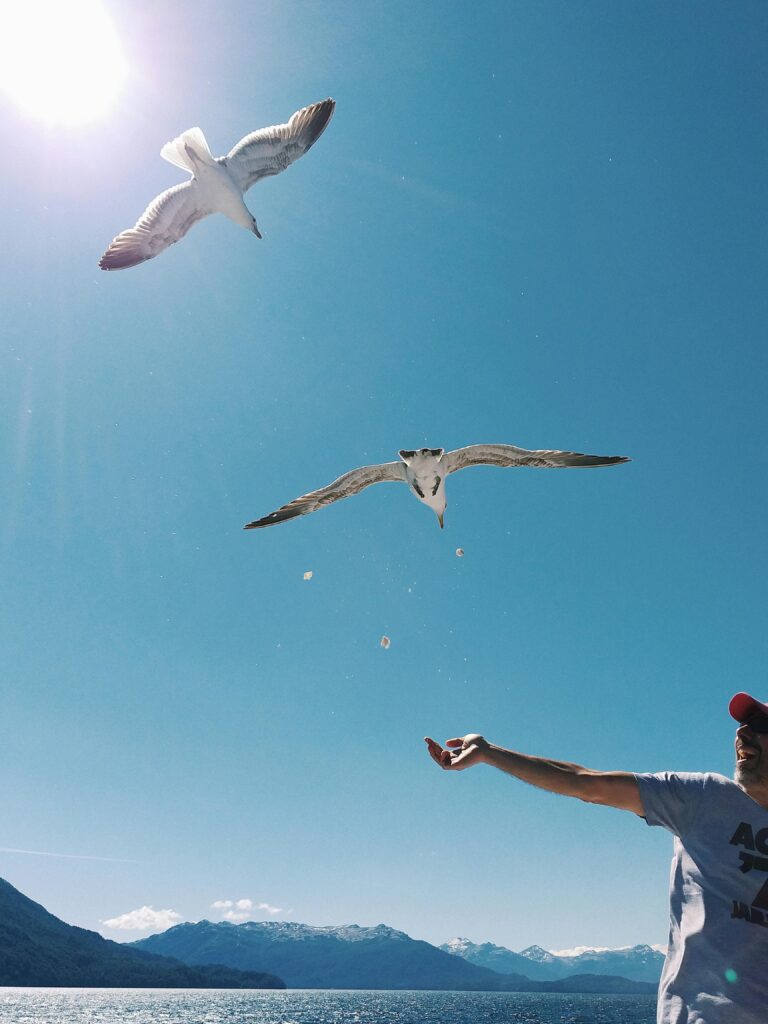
426,478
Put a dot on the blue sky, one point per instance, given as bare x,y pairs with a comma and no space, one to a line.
540,223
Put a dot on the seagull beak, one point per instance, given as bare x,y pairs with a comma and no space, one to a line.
440,519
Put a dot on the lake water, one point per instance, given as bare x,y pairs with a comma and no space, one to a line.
162,1006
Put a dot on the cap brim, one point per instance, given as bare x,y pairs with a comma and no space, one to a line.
742,707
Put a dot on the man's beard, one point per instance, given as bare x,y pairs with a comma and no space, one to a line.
746,771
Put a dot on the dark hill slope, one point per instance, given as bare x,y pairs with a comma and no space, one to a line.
37,948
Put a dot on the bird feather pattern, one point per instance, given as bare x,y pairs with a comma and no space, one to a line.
347,485
508,455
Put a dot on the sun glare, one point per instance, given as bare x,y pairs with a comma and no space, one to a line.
60,60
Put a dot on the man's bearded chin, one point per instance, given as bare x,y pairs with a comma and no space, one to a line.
746,769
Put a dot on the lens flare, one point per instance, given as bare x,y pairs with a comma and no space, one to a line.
60,62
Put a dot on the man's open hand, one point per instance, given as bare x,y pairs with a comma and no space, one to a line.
461,752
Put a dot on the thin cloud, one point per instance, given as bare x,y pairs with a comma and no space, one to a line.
450,202
144,919
244,909
269,909
67,856
439,197
578,950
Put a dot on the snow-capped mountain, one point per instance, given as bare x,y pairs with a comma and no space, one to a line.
538,955
639,963
498,958
347,956
379,957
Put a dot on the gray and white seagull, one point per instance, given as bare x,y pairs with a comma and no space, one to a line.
217,184
425,471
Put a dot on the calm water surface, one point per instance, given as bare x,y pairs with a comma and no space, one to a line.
161,1006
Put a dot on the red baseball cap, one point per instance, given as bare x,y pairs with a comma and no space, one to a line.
743,707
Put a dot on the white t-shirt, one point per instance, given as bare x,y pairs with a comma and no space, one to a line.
716,971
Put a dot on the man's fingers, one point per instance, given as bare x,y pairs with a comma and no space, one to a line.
436,752
468,753
445,758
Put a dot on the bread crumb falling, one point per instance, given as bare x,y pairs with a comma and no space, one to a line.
307,575
459,552
385,642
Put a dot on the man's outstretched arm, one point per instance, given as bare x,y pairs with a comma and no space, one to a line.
613,789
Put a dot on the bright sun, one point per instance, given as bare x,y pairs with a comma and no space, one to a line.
60,60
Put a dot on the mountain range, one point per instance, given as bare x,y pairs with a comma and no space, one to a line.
37,948
332,957
637,963
357,958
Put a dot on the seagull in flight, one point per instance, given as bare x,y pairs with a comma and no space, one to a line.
217,184
425,471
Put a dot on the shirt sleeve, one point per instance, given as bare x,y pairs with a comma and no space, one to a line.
672,799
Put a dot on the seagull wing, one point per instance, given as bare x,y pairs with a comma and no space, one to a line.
167,219
270,150
509,455
347,485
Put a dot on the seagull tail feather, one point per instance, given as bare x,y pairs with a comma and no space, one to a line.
187,148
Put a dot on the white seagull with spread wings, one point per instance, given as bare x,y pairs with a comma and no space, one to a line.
217,184
425,471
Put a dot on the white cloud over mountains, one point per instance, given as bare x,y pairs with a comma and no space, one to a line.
578,950
244,909
144,919
147,919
